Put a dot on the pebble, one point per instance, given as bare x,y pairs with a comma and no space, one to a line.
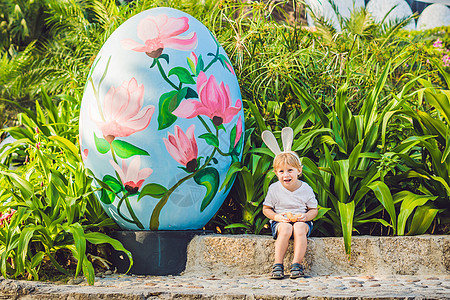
75,281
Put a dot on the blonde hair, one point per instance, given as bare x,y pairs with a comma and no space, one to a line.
286,158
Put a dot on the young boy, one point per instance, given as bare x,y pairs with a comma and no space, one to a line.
291,206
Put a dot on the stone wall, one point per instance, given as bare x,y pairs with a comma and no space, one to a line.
251,254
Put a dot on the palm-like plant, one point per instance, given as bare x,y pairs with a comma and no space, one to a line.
21,22
426,154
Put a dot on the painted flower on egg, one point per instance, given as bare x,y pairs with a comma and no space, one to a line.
215,102
122,114
132,176
159,32
168,123
183,147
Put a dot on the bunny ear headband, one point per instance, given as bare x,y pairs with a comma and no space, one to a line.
287,136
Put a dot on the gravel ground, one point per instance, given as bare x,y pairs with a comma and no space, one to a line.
116,286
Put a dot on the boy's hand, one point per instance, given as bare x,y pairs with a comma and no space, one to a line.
291,217
300,217
281,218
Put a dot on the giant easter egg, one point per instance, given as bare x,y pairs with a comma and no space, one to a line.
161,122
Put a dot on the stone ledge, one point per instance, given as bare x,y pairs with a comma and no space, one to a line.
233,255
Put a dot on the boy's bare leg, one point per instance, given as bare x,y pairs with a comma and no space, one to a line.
300,241
284,233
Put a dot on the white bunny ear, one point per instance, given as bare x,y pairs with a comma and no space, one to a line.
271,142
287,136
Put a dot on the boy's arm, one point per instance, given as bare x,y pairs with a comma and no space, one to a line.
271,214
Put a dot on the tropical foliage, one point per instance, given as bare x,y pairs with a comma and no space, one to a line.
369,106
49,197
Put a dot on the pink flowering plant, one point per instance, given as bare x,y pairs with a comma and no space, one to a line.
193,94
5,217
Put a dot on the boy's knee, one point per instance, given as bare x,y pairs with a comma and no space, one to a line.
301,228
285,229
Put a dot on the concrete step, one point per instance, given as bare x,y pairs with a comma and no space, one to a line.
229,267
233,255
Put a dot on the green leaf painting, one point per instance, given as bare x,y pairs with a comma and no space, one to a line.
125,150
209,178
210,139
183,75
108,196
101,144
153,190
168,102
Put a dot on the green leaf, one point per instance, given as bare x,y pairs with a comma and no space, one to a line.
346,211
440,102
247,178
373,221
423,217
238,225
446,152
115,185
383,194
343,175
108,196
88,271
25,187
300,92
101,144
183,75
200,65
100,238
209,178
409,202
370,104
257,115
37,259
65,143
307,138
191,65
168,102
125,150
322,212
80,244
210,139
353,158
190,93
22,249
153,190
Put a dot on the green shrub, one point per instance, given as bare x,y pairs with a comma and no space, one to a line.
55,210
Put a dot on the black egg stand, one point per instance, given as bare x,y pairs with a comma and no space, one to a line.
162,252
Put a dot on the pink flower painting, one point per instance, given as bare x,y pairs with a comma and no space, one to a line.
215,102
183,147
122,114
160,32
84,154
132,176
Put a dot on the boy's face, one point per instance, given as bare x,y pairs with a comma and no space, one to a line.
288,176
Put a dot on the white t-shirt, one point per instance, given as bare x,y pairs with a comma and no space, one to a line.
282,200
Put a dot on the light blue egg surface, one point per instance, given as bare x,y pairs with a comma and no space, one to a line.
161,122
